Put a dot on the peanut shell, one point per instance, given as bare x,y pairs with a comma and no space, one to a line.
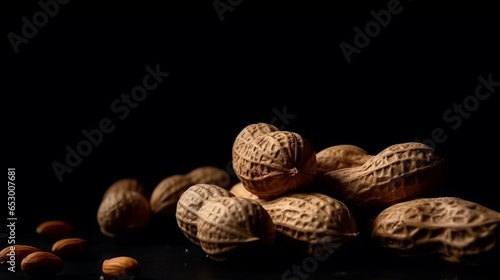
313,219
399,172
125,184
166,194
340,156
455,229
228,224
275,163
189,205
210,175
123,212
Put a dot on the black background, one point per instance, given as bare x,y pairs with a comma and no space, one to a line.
260,59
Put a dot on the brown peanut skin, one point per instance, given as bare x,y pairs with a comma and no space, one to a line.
399,172
275,163
340,156
455,229
314,219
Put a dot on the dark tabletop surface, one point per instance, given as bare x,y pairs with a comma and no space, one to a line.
165,253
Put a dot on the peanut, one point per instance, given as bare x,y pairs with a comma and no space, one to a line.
123,212
228,225
210,175
166,194
340,156
275,163
248,135
312,219
189,205
455,229
126,184
397,173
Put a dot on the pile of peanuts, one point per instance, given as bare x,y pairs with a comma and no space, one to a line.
286,190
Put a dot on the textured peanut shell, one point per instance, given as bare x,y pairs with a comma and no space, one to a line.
189,205
165,195
210,175
340,156
249,133
122,212
126,184
314,219
228,224
399,172
453,228
275,163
